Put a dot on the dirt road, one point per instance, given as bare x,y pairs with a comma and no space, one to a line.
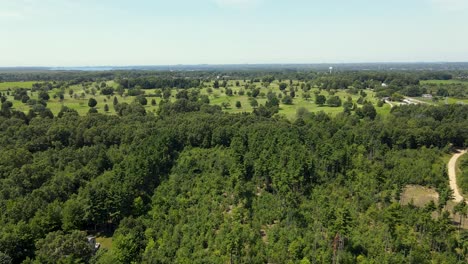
388,102
452,171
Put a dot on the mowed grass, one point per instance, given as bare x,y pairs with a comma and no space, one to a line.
218,96
5,86
106,242
80,103
79,100
443,82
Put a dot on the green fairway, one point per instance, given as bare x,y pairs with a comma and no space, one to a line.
217,96
4,86
443,82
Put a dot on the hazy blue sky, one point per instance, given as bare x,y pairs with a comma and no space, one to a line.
155,32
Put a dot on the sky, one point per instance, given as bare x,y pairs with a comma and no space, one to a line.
168,32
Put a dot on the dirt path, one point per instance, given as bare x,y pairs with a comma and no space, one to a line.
416,101
388,102
452,171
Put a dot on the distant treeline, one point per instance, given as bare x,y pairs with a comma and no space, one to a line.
285,74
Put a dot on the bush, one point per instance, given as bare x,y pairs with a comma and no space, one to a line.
287,100
334,101
107,91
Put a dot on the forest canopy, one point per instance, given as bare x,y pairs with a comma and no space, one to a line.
191,184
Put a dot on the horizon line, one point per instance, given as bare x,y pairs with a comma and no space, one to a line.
229,64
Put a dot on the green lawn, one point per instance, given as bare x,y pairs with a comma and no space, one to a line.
218,96
443,81
79,99
4,86
106,242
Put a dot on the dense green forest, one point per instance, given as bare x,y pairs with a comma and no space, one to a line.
191,184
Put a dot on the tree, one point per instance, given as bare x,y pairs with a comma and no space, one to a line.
120,90
287,100
225,105
255,92
238,104
153,102
292,93
253,102
5,259
216,84
167,93
283,86
141,100
106,108
116,101
461,209
92,102
73,214
58,247
334,101
107,90
67,110
25,99
129,240
320,99
43,95
367,110
272,100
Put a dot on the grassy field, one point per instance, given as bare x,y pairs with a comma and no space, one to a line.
79,100
106,242
218,96
418,195
443,81
4,86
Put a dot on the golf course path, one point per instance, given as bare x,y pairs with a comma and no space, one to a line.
388,102
452,171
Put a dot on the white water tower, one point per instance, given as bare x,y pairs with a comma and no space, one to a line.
331,70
